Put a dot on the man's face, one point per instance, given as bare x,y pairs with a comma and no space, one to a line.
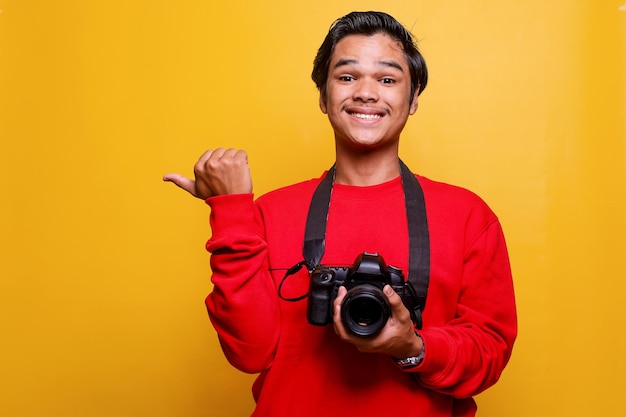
368,92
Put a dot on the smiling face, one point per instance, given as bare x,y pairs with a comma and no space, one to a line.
367,95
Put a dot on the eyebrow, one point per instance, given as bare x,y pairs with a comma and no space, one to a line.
347,61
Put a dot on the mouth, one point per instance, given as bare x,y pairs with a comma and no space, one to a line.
366,115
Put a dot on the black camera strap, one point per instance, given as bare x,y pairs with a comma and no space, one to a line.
419,240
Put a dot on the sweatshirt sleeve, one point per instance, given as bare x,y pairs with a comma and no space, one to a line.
243,306
467,354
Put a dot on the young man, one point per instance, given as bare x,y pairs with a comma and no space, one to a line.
369,73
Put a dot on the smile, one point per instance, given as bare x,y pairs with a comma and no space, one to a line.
364,116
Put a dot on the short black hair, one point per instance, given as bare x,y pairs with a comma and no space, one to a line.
369,23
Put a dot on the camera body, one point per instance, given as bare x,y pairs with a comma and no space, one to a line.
365,309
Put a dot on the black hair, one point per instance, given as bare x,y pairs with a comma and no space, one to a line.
369,23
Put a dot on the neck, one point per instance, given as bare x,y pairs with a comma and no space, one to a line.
366,170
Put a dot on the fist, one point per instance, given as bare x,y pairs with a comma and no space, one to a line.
217,172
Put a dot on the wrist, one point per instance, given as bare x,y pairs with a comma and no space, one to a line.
412,347
415,359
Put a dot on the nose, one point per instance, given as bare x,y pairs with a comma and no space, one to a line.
366,90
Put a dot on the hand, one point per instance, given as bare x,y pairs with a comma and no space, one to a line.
217,172
397,338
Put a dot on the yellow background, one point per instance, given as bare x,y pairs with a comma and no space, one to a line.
102,266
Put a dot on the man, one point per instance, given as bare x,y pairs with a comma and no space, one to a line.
369,74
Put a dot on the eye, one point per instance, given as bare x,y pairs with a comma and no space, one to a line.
387,80
346,78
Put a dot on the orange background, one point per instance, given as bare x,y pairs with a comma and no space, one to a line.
102,266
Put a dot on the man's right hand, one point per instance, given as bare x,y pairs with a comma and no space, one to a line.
217,172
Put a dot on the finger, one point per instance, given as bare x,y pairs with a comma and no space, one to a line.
237,154
228,158
242,155
206,155
237,157
398,309
204,158
341,294
337,322
215,156
181,181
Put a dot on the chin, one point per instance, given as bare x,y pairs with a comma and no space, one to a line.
366,146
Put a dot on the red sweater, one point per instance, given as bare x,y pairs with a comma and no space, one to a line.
469,321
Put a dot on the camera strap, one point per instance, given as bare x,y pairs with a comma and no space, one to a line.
419,240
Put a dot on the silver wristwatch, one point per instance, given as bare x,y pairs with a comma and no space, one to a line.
412,361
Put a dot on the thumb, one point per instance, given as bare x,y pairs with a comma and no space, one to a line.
181,181
395,302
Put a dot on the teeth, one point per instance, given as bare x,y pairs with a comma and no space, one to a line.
366,116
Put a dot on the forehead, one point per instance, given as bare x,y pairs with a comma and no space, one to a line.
363,49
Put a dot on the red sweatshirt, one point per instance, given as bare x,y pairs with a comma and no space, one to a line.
469,321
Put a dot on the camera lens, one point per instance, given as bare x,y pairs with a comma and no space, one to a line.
365,310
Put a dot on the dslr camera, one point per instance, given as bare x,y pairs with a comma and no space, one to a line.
365,309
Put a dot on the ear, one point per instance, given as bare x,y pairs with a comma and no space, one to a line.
323,103
413,105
